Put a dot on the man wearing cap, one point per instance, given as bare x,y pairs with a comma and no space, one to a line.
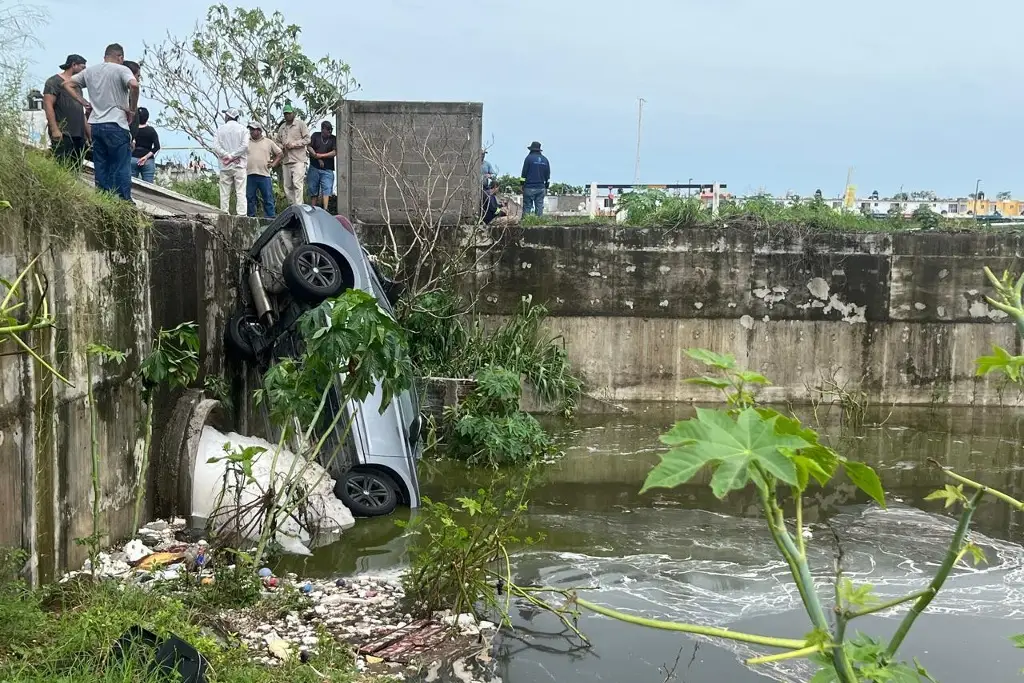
323,148
231,145
293,137
114,95
65,118
536,177
264,154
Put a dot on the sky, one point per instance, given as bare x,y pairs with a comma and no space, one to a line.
777,96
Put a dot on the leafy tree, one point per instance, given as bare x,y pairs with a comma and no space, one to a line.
901,197
1003,196
925,217
927,195
239,58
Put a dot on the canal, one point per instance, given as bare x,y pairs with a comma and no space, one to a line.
683,555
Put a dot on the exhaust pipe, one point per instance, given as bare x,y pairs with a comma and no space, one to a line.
259,296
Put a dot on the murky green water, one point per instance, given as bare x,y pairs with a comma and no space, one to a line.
684,555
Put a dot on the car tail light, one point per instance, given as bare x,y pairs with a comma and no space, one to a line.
346,224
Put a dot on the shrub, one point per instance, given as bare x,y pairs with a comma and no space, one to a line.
443,345
489,429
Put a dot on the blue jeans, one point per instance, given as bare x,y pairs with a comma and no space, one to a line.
533,200
319,182
147,171
259,185
112,157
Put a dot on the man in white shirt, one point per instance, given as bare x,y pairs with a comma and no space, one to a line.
114,94
231,145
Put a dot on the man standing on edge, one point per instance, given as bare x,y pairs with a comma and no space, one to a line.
114,96
264,154
293,137
323,148
536,178
65,117
231,145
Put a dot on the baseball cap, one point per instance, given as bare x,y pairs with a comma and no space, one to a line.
288,109
255,124
232,113
72,60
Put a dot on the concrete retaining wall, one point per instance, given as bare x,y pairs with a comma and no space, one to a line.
901,316
118,289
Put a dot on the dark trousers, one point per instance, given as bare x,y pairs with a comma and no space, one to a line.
262,186
112,157
69,150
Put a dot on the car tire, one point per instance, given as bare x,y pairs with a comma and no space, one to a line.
313,274
241,327
367,493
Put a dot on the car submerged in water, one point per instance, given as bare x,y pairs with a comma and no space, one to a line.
304,257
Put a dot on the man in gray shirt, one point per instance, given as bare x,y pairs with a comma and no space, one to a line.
114,97
65,118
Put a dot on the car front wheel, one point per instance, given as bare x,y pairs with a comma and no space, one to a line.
367,493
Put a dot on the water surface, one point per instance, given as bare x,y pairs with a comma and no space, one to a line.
684,555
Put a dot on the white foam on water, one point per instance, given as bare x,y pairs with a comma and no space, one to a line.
896,550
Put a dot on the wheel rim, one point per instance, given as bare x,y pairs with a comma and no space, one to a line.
316,269
367,491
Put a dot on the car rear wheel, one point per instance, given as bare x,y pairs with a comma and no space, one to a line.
243,334
367,493
313,274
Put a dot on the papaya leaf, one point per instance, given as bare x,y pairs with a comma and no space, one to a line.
949,493
722,361
865,478
709,382
731,446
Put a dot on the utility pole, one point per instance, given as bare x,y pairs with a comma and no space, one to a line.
639,124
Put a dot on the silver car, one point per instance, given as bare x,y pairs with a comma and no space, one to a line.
303,257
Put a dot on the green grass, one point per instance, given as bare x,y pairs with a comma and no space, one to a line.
566,221
658,210
52,201
65,634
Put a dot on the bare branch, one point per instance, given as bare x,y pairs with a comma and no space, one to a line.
428,177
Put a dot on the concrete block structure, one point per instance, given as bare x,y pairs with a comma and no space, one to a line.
404,162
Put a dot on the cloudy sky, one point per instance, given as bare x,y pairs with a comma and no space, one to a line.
759,94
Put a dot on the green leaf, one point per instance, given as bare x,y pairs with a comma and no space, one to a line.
708,382
949,493
469,505
1000,361
722,361
1018,641
729,446
976,553
753,377
865,478
857,596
